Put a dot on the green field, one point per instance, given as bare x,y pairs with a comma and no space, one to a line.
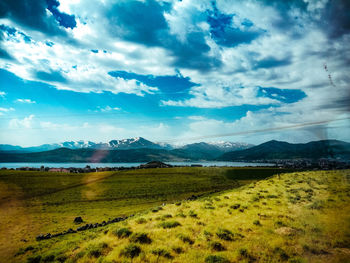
293,217
32,203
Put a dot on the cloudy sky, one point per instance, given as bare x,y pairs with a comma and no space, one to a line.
174,70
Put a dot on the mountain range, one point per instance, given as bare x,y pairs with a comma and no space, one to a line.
124,144
126,150
142,150
283,150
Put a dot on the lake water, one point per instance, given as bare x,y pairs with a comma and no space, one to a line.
93,165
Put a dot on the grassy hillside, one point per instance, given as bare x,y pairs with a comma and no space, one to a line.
284,150
296,217
92,155
39,202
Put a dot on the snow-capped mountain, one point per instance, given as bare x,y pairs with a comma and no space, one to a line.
231,146
133,143
70,145
212,148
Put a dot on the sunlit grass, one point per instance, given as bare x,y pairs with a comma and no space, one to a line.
32,203
297,217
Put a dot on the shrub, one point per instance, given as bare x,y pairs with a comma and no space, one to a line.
141,220
96,250
255,198
169,224
22,251
281,253
185,239
166,216
35,259
280,224
29,248
141,238
225,234
178,250
216,259
207,235
130,251
317,205
122,232
272,196
48,258
217,246
243,252
61,258
192,214
257,223
156,209
160,252
235,206
181,214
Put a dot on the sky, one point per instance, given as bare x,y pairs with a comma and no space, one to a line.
174,71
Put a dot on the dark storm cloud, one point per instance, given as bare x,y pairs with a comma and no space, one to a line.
67,21
271,62
226,34
334,16
51,76
144,23
33,15
337,17
286,20
141,22
4,54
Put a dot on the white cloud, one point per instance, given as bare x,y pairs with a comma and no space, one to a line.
2,94
215,96
3,110
6,109
29,101
48,125
107,108
250,128
22,123
196,118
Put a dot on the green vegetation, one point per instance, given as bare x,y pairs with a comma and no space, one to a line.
122,232
141,238
169,224
310,228
33,203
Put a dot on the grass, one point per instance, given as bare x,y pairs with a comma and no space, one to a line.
32,203
289,229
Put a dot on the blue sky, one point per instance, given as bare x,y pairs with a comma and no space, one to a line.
173,70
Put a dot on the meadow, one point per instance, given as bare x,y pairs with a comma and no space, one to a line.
32,203
292,217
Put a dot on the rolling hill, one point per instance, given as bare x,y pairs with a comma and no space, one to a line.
284,150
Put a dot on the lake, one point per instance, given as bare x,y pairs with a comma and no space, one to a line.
94,165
